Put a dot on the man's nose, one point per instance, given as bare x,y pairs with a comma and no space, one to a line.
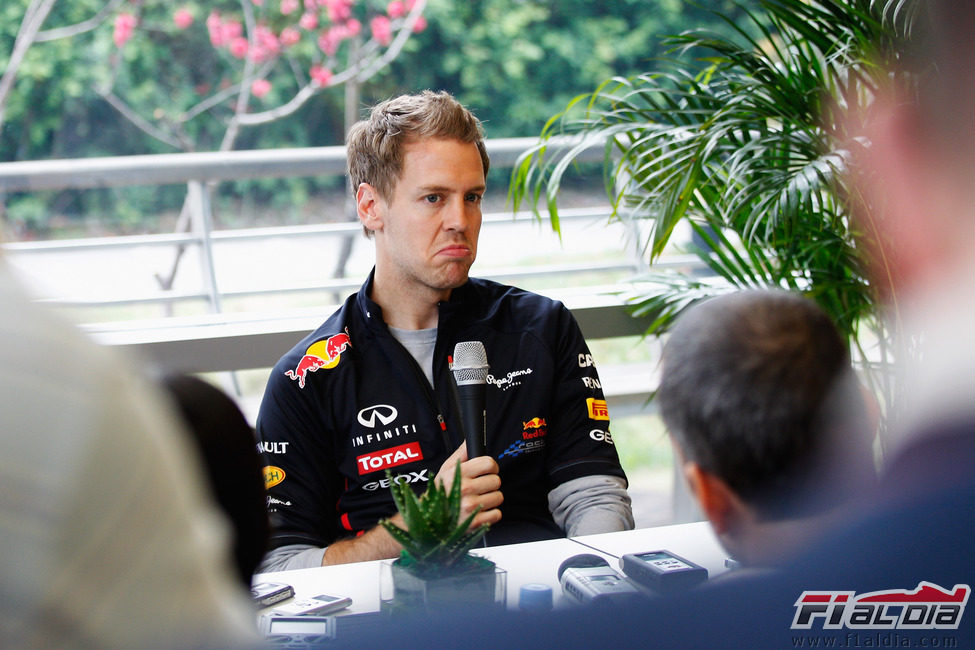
460,214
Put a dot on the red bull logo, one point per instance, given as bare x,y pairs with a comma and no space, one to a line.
324,353
534,428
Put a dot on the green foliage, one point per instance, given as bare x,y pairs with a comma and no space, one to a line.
516,62
735,136
435,540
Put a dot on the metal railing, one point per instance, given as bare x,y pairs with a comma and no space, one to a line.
228,342
197,170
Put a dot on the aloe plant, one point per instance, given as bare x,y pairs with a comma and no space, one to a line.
435,541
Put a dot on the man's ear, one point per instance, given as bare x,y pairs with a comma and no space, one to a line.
719,502
369,207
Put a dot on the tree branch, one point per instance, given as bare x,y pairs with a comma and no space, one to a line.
82,27
397,45
34,17
141,123
353,71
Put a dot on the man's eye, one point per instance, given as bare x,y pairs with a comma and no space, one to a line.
474,198
431,198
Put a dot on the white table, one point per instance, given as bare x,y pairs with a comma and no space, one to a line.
532,562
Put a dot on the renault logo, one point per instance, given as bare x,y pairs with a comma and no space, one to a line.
383,412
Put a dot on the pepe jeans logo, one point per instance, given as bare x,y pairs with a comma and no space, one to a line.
509,380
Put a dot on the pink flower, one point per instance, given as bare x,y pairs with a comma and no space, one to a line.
124,26
382,29
215,30
231,29
420,24
260,88
266,38
320,75
239,47
289,36
308,21
328,41
396,9
258,3
339,10
352,27
183,18
289,7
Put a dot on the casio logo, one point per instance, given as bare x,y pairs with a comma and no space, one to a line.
382,412
585,360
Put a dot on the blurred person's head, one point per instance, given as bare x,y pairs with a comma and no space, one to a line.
228,448
759,397
914,156
913,180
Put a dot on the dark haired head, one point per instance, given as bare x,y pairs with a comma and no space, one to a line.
754,386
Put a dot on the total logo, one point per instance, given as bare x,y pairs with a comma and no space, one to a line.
601,436
929,607
386,458
422,476
324,353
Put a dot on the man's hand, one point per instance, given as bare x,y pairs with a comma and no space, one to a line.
480,485
375,544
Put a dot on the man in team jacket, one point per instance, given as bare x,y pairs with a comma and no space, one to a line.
371,390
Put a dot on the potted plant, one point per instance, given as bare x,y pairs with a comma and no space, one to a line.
739,141
435,568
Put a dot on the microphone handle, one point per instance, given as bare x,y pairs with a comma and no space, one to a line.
471,401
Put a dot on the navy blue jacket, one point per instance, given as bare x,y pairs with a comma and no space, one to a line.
349,402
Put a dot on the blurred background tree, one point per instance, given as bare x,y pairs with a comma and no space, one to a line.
514,62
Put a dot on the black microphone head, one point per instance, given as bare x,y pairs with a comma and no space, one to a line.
470,363
582,561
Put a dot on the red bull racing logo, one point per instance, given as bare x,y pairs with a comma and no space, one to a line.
534,428
324,353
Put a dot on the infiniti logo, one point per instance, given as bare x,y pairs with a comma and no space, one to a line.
383,412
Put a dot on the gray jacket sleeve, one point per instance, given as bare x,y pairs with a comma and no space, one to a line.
591,504
292,556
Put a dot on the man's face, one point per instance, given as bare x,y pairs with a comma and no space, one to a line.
426,234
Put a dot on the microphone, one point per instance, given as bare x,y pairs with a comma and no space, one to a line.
470,374
588,579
